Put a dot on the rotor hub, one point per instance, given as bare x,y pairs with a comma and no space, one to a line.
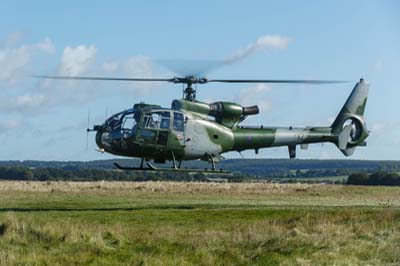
189,93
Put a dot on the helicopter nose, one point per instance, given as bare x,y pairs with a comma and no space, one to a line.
106,140
99,139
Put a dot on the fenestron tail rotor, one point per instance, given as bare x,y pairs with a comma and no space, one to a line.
190,92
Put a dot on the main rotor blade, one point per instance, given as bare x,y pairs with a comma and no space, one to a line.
102,78
194,80
298,81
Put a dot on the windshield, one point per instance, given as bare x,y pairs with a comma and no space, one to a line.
124,121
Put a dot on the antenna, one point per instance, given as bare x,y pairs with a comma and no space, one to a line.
87,130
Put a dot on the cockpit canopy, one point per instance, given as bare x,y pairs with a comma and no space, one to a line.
125,121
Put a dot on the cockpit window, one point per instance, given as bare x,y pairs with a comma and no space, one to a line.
165,120
125,121
128,122
114,122
178,121
157,120
153,120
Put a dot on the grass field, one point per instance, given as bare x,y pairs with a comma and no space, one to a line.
312,180
170,223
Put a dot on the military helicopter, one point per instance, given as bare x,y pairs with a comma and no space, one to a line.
191,129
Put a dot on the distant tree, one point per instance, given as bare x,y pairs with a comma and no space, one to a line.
379,178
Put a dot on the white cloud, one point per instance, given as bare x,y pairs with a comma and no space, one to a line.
74,61
7,125
12,39
255,95
13,60
77,60
138,66
262,43
81,61
46,46
26,103
134,67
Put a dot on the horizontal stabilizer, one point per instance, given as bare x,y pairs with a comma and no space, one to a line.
344,137
349,151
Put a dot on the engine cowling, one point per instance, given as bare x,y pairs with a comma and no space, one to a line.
225,113
229,114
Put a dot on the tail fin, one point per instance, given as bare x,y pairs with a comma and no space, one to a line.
349,127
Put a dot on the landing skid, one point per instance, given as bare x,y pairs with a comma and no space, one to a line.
175,168
153,168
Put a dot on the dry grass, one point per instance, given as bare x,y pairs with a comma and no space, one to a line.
170,223
159,186
200,192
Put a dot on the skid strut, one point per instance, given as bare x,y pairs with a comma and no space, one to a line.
175,168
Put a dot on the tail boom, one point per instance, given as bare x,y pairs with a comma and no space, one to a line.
256,138
347,131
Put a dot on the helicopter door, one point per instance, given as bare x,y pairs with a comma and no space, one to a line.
163,133
179,127
156,128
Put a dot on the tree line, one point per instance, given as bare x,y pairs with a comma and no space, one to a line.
380,178
255,168
44,174
388,178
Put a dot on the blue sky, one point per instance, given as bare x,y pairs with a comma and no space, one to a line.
46,120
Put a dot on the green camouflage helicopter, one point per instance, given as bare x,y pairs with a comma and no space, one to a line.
192,129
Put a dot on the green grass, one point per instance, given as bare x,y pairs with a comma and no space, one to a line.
159,223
